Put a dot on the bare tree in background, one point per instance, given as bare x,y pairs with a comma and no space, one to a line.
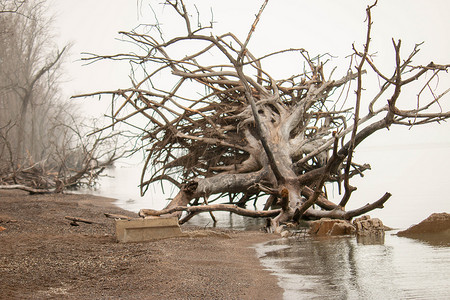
221,128
43,146
11,6
29,72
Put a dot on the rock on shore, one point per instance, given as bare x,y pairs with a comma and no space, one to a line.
327,226
435,223
434,230
364,226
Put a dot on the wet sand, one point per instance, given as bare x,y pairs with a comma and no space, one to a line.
44,257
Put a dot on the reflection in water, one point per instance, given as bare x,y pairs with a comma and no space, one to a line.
372,239
433,239
342,268
228,220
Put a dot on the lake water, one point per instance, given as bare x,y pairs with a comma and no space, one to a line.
330,268
344,268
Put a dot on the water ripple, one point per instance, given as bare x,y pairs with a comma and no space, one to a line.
342,268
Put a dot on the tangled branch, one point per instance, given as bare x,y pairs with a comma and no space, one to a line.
226,127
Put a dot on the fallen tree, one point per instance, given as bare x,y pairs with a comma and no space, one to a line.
249,136
74,158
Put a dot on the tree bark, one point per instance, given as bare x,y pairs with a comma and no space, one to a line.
208,208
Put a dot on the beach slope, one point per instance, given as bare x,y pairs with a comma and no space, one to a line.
43,256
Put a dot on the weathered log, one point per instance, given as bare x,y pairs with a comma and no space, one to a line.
321,200
27,189
368,207
255,136
339,213
214,207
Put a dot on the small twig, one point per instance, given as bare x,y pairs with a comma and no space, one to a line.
348,188
252,29
80,220
117,217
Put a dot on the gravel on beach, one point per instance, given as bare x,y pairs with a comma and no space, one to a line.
43,256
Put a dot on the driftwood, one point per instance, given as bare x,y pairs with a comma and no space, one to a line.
74,219
213,207
26,188
226,130
117,217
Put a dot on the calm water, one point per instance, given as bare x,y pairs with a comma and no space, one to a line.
330,268
343,268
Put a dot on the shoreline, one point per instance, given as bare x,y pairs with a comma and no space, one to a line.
43,256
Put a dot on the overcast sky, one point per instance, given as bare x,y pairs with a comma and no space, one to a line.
411,164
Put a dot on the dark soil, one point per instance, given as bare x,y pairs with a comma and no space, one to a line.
44,257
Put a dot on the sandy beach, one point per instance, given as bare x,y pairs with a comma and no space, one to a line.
43,256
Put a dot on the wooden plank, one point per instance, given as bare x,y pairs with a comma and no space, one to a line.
141,230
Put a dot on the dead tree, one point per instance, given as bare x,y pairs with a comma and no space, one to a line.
244,135
44,146
11,6
76,157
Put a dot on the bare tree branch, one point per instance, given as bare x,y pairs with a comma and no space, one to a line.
226,127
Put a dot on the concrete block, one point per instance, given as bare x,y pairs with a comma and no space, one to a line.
140,230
